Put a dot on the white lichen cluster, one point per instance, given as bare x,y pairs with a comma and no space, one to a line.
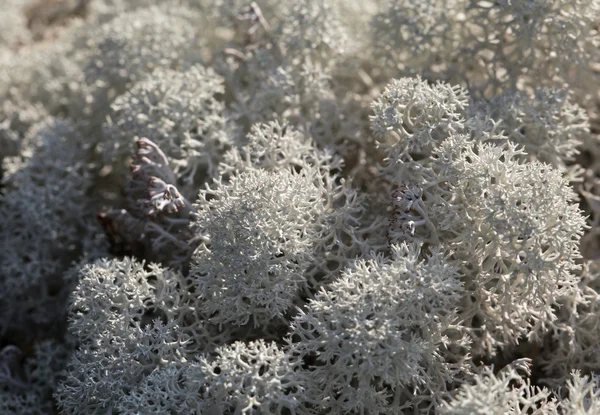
300,207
